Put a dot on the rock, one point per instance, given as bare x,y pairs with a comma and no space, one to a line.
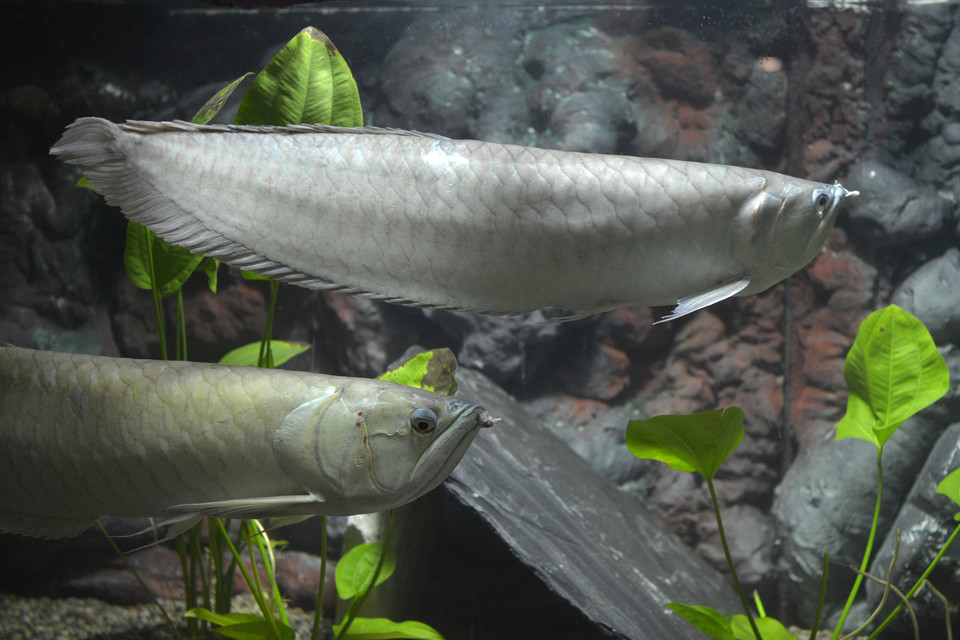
763,108
893,208
509,350
825,503
925,521
298,576
595,546
931,293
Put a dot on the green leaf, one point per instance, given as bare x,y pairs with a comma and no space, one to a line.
210,266
307,81
257,630
249,354
250,275
699,442
769,628
893,371
430,370
710,621
172,264
356,568
950,487
384,629
243,626
213,106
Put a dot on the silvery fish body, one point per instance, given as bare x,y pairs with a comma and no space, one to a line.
87,436
457,224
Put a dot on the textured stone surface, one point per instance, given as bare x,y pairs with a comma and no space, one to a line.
931,293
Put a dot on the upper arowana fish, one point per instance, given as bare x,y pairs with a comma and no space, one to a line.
88,436
426,221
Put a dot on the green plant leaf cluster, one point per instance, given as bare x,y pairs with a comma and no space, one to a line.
431,370
893,370
736,627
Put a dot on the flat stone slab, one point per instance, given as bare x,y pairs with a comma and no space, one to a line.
592,544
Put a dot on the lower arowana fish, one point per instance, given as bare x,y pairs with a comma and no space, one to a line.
464,225
88,436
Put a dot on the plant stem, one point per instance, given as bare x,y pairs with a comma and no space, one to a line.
867,551
157,300
917,584
255,591
266,355
726,553
359,600
136,575
820,597
318,612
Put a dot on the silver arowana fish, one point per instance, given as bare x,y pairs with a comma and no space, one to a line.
464,225
88,436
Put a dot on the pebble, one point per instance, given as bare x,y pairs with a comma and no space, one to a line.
23,618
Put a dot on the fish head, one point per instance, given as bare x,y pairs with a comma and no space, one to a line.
376,445
792,219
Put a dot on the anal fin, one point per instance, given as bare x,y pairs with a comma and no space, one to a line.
698,301
247,508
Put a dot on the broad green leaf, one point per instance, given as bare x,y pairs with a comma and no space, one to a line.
769,628
893,371
699,442
384,629
430,370
307,81
84,183
950,487
172,264
213,106
710,621
356,568
249,354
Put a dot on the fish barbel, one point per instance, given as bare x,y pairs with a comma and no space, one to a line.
88,436
426,221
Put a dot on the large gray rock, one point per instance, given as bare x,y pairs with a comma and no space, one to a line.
595,546
825,504
931,293
893,208
924,523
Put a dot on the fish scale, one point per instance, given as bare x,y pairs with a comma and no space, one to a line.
457,224
87,436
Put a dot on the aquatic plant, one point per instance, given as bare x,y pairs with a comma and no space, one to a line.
306,81
893,370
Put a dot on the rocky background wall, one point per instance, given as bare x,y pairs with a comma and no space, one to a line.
868,96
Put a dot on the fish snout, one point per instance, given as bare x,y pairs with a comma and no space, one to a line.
484,419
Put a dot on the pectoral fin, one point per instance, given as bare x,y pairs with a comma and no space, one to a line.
246,508
699,301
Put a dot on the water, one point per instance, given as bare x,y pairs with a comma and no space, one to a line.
867,93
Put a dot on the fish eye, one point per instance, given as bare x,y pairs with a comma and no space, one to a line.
423,420
821,200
